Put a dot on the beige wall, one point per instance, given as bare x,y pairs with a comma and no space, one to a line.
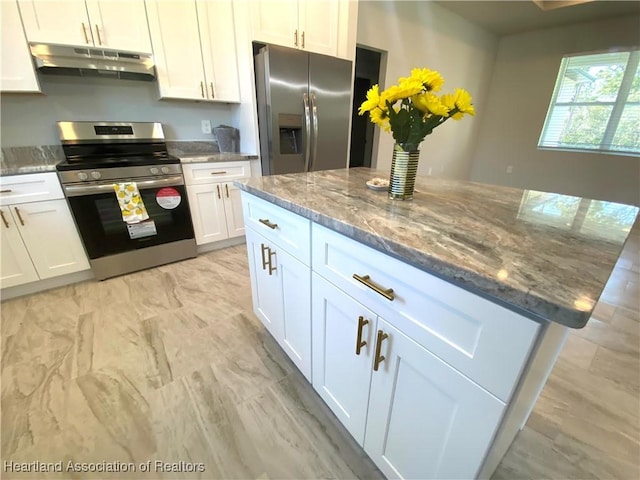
422,34
521,88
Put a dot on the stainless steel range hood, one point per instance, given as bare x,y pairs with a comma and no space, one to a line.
92,62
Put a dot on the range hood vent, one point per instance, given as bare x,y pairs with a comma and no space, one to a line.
92,62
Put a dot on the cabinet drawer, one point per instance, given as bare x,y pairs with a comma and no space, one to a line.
484,341
29,188
287,229
199,173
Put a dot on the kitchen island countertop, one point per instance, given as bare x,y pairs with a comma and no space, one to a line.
545,256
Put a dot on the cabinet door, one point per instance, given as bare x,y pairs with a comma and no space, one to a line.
173,25
118,24
276,21
341,375
318,24
266,294
51,238
207,212
218,40
16,267
233,210
56,21
425,419
16,71
281,289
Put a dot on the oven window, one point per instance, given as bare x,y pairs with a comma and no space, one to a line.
104,232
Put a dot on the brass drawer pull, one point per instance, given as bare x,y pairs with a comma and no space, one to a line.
365,280
202,89
359,342
265,221
271,267
218,188
212,93
295,38
302,39
19,216
264,259
218,173
379,358
4,220
8,190
226,188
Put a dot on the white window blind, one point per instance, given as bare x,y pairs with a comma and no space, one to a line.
595,104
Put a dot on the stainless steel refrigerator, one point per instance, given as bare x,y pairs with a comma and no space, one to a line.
304,105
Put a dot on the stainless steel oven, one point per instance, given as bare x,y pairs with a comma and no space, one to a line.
101,154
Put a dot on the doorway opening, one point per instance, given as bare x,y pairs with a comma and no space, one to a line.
367,74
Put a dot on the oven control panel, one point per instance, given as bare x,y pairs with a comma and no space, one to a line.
120,173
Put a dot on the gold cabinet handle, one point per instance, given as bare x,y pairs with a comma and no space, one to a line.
226,188
295,38
84,30
98,32
4,220
265,221
365,280
218,173
8,190
302,39
379,358
359,342
271,267
212,93
218,188
202,89
264,259
19,216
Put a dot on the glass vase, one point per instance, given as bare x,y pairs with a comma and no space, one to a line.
404,167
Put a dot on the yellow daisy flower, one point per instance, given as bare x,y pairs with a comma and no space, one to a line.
431,80
460,99
372,101
430,103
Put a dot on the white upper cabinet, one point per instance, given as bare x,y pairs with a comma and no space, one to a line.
63,21
194,49
310,25
318,22
16,68
120,25
101,23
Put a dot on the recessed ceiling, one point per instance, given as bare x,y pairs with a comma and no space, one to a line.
509,17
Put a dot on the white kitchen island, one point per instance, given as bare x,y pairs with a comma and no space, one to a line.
428,327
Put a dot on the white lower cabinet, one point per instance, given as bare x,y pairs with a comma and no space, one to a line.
281,290
415,414
215,203
50,242
425,419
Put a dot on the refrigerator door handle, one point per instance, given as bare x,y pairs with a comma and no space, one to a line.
314,109
307,126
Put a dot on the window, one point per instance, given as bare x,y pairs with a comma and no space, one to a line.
595,104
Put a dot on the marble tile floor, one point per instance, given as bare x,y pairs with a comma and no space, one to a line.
170,365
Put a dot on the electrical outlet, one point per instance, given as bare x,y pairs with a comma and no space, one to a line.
206,126
429,171
510,169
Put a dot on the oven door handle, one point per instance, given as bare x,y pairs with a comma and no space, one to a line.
78,190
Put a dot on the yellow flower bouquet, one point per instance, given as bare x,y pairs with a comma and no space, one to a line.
420,110
411,110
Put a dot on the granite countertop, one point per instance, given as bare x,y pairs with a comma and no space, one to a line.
545,256
215,157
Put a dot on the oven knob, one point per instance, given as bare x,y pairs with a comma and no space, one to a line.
96,175
165,170
153,170
83,176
